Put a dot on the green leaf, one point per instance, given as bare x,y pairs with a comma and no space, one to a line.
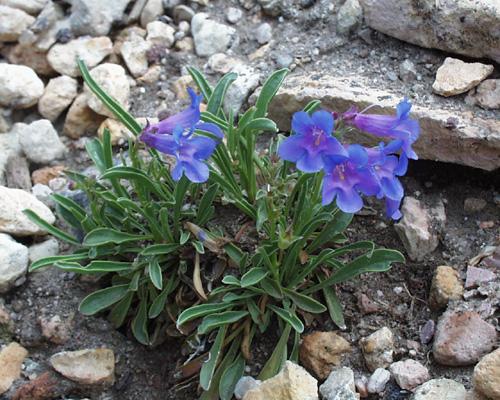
94,267
199,311
120,310
184,237
278,358
231,280
108,101
269,90
230,378
155,274
208,368
43,262
159,302
139,324
224,318
288,317
96,153
379,260
234,253
334,307
339,222
33,217
217,97
253,276
101,236
312,106
133,174
157,249
102,299
201,82
200,249
205,208
271,288
304,302
261,124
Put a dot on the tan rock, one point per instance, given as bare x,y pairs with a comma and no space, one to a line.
113,80
437,140
378,349
320,352
440,389
58,95
55,329
180,87
185,44
88,367
11,360
292,383
118,132
456,77
160,34
12,218
409,374
44,175
62,57
488,94
486,376
81,119
30,57
134,52
446,286
12,23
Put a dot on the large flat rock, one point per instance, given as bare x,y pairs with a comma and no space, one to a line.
449,135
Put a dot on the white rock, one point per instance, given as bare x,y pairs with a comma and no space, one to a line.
488,94
95,17
440,389
58,95
114,81
339,385
39,141
152,10
48,248
244,384
456,26
62,57
415,229
209,36
88,367
378,348
120,133
456,77
134,52
12,23
349,16
378,380
292,383
233,15
43,192
30,6
264,33
12,219
10,147
13,262
222,63
81,119
160,34
236,95
20,86
409,374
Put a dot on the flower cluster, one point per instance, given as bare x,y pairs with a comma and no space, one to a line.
353,170
175,136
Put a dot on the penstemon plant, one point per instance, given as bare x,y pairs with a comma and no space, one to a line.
298,195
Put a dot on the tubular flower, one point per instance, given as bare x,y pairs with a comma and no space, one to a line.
175,136
399,127
344,181
311,142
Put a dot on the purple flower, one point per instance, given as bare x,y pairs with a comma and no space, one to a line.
175,136
311,142
344,181
399,127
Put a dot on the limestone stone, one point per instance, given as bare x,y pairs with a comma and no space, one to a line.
11,148
152,10
486,376
20,86
339,385
32,7
160,34
349,16
40,141
95,17
62,57
13,22
88,367
456,26
29,57
113,80
13,262
462,338
12,218
58,95
320,352
409,374
378,380
446,285
292,383
11,360
81,119
488,94
209,36
47,248
134,52
440,389
456,77
436,142
378,349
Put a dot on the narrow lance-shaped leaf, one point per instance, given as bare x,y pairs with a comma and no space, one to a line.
208,368
102,299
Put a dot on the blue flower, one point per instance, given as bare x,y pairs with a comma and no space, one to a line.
311,142
399,127
175,136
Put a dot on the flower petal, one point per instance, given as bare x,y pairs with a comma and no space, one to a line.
392,208
403,109
163,143
201,147
349,201
177,171
210,128
301,122
392,188
323,120
196,171
310,163
291,149
357,154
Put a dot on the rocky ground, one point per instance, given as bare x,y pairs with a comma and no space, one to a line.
421,330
